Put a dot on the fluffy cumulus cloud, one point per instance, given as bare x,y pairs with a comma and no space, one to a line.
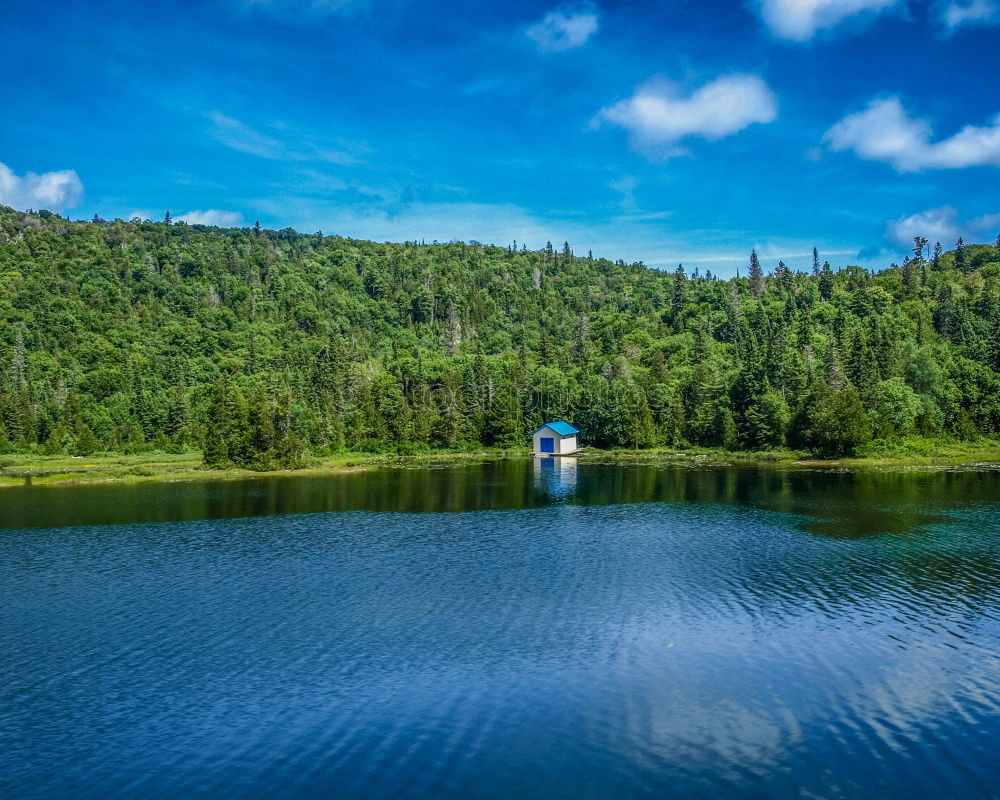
940,225
564,29
211,216
800,20
52,190
658,117
884,131
970,13
937,225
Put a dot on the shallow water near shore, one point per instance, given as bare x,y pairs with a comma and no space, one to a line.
509,629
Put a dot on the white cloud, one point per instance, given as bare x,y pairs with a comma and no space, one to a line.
293,145
885,132
936,225
211,216
800,20
941,225
987,223
657,117
626,185
52,190
632,236
564,29
237,136
970,13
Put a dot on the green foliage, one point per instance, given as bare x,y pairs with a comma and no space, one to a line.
896,409
261,347
836,421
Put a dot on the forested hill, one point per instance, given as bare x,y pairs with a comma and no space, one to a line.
262,346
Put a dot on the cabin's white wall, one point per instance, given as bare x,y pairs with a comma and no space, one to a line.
566,444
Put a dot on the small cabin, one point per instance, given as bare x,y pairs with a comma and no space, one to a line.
555,438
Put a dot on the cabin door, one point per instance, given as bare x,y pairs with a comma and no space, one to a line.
547,443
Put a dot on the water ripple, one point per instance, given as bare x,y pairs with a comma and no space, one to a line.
696,648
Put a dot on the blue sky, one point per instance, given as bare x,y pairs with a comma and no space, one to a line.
673,131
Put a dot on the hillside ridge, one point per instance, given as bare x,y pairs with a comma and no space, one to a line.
262,346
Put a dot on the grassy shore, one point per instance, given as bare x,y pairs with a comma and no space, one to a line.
908,452
40,470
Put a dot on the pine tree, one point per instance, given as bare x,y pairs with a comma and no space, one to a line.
784,276
260,432
452,329
911,277
504,426
637,429
944,315
837,423
826,281
679,293
756,276
288,447
141,407
226,428
84,442
19,364
765,421
960,255
179,416
815,262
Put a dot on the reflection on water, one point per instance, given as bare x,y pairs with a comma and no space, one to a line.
556,477
841,504
579,631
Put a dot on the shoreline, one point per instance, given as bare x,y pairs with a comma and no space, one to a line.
18,470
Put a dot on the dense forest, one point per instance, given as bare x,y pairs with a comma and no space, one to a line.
261,347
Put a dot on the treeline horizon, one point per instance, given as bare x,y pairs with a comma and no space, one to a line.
261,347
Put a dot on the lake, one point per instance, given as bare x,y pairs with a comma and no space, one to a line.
511,629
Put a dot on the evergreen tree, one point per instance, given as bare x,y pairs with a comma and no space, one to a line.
19,364
226,429
756,276
765,421
84,442
179,416
936,258
638,428
960,263
826,281
837,423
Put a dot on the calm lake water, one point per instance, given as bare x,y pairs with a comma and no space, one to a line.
504,630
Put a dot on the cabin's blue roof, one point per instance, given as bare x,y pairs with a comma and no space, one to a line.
561,427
